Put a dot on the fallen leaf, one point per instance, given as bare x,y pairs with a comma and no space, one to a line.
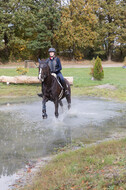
29,170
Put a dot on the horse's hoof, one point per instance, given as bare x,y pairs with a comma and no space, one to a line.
44,116
56,115
69,106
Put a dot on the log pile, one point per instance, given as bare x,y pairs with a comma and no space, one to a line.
26,80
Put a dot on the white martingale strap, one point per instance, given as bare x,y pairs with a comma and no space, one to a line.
61,94
60,84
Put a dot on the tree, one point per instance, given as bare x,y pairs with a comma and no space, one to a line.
111,26
33,24
46,17
77,28
97,71
5,28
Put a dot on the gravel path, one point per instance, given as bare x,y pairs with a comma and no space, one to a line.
70,65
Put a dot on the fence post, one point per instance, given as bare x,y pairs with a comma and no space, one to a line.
26,64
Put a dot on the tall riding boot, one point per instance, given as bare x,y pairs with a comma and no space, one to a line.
65,88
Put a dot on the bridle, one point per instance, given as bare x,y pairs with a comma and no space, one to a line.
41,75
40,72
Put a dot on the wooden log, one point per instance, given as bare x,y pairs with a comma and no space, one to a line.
26,80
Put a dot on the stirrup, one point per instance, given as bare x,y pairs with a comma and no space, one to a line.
40,95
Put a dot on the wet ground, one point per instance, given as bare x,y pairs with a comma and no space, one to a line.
25,136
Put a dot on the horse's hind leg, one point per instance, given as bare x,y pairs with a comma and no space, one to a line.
56,108
68,97
61,104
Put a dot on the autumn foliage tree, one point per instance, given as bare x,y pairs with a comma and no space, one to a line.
77,28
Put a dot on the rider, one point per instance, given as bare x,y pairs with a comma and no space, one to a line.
55,67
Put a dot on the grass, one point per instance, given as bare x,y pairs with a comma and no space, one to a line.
83,85
97,167
113,76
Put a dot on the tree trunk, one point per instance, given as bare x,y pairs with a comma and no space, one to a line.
109,56
110,47
73,54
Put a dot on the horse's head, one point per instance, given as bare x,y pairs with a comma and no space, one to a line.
44,70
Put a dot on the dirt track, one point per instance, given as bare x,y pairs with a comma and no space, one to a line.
88,66
68,65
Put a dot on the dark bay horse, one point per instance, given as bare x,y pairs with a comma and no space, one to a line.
52,89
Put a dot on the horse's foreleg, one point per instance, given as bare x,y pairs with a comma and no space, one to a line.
44,115
56,108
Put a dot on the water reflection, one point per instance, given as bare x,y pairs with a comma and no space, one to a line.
24,135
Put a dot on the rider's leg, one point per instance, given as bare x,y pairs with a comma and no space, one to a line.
63,82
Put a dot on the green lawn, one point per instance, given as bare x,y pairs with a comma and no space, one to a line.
115,76
83,85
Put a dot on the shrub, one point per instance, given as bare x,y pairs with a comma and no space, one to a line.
22,71
97,70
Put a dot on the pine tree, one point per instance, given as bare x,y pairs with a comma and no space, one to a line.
98,72
37,21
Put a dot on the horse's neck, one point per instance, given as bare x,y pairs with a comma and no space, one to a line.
48,81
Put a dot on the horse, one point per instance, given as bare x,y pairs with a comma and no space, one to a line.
52,89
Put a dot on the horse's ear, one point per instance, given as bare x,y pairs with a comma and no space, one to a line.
39,61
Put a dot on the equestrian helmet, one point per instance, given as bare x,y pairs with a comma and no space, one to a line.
51,50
